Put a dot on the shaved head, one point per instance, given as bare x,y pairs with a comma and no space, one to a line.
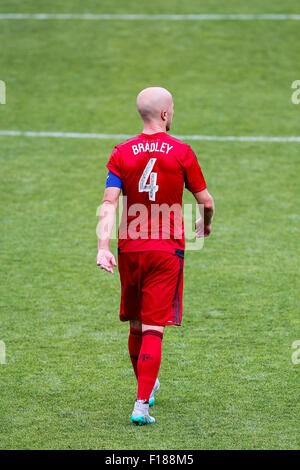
155,105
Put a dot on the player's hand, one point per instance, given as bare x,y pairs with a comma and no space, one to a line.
106,260
200,231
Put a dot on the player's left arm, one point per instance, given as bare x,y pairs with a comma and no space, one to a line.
105,258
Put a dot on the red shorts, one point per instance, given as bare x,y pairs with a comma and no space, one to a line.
152,284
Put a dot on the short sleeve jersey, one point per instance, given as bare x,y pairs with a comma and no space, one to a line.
154,169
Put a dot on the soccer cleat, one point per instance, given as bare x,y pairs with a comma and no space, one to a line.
155,389
140,415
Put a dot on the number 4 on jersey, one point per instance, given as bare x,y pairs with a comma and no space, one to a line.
151,187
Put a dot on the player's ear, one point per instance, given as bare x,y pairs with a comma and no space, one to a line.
163,115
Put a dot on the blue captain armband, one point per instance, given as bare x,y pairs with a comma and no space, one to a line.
113,181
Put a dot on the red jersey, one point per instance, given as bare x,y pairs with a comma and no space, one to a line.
154,168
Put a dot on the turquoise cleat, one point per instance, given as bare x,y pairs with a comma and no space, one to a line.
141,420
140,415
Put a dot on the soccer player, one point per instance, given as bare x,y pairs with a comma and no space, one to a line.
151,169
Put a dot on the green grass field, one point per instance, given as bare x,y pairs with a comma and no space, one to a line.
228,381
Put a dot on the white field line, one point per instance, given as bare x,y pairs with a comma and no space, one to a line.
121,137
133,17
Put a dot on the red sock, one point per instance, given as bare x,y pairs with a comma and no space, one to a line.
148,363
134,346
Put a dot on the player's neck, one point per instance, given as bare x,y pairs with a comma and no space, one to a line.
151,128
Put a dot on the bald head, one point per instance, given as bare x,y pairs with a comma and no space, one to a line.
155,106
